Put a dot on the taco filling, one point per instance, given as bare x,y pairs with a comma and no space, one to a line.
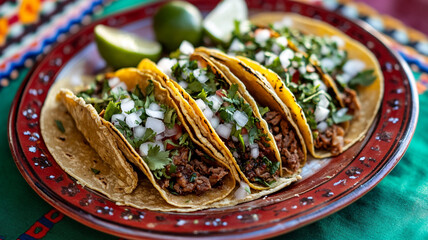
154,131
230,115
323,112
286,140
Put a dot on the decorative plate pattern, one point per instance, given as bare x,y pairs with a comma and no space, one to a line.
340,182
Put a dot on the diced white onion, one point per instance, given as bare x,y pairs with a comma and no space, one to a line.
155,114
159,137
201,104
165,64
113,82
282,41
236,46
276,48
353,67
127,105
243,191
182,62
154,106
183,84
325,50
244,26
139,131
235,139
322,126
116,117
224,130
261,36
285,57
155,124
344,78
216,100
321,113
186,48
327,63
338,40
254,145
302,69
323,101
202,78
215,121
260,57
341,112
320,84
255,152
133,120
240,118
246,139
171,131
208,113
119,86
235,154
144,148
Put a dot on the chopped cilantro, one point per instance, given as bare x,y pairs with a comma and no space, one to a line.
60,126
364,78
263,110
193,177
112,108
157,159
96,171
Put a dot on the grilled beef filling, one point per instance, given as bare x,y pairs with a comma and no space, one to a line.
195,176
286,140
331,139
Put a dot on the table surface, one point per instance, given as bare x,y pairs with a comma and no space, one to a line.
395,209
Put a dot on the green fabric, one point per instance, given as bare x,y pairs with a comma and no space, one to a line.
396,209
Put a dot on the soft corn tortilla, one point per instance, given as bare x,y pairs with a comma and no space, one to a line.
253,83
108,133
205,130
76,157
370,97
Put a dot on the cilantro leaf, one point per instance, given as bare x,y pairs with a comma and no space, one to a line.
339,119
60,126
112,108
364,78
96,171
263,110
157,159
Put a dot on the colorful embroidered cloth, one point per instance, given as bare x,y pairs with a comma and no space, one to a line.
396,209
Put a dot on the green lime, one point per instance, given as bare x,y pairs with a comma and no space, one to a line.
122,49
220,22
177,21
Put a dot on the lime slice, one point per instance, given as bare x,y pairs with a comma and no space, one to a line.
122,49
220,22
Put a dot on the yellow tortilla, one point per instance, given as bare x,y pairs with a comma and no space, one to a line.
76,157
254,84
370,96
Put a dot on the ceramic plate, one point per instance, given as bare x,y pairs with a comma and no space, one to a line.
328,186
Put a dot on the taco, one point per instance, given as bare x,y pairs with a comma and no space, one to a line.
330,114
148,129
228,116
288,138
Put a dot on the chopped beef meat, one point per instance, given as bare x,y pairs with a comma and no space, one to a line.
256,169
286,141
331,139
195,176
351,101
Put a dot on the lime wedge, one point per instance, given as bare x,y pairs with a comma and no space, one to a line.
122,49
220,22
